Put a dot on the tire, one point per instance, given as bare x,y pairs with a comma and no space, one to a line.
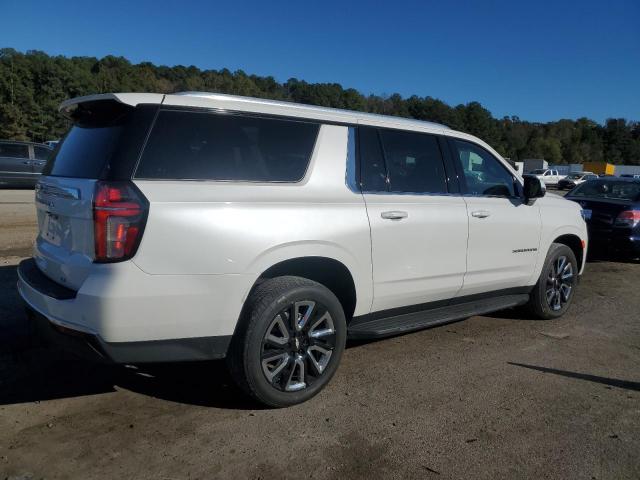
553,293
280,362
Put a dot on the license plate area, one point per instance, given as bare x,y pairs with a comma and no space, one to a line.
52,229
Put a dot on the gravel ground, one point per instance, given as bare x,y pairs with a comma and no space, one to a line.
490,397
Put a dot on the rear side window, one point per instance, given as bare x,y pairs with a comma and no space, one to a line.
414,162
211,146
14,150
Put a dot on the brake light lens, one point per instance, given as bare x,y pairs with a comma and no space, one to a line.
628,218
119,216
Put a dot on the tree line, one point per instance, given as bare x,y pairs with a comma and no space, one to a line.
33,84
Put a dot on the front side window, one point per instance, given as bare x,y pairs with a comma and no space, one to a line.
414,162
207,146
41,153
483,174
14,150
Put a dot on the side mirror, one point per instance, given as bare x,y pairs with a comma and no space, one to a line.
533,188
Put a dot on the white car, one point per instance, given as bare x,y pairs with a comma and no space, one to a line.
198,226
548,176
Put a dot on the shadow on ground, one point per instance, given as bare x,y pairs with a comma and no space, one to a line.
613,382
30,371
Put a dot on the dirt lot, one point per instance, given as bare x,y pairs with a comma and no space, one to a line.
489,397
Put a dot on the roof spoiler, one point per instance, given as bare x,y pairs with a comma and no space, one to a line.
131,99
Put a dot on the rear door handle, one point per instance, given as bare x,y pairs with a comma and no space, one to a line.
394,215
480,214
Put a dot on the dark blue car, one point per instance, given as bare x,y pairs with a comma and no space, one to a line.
611,208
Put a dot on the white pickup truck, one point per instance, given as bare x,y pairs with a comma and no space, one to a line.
548,176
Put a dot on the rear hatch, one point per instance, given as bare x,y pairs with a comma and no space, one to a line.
103,144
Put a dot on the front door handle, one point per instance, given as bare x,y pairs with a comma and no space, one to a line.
394,215
480,214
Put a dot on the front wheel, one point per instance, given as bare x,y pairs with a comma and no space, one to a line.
290,341
552,295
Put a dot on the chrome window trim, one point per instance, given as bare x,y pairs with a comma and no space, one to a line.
416,194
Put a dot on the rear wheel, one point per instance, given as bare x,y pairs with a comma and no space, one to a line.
552,295
290,341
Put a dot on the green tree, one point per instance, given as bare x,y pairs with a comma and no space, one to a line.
32,85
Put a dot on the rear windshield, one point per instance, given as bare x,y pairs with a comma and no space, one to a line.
87,148
619,190
212,146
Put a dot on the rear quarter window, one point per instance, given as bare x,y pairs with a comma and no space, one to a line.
211,146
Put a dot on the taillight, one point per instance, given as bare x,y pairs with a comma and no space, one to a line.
119,216
628,218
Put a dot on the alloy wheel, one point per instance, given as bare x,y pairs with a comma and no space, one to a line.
298,345
559,283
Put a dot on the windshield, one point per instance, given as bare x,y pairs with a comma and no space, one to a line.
538,172
614,189
574,176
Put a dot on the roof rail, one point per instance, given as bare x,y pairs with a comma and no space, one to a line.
310,108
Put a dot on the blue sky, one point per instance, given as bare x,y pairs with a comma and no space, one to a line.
539,60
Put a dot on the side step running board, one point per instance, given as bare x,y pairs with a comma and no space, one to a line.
385,327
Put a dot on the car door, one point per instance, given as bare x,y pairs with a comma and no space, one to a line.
504,232
418,224
15,165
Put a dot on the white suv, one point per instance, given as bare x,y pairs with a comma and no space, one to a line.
198,226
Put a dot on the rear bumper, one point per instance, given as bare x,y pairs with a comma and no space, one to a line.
128,328
614,244
92,347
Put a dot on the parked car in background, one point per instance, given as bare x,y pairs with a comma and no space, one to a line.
630,175
548,176
611,208
52,143
197,226
575,178
22,162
